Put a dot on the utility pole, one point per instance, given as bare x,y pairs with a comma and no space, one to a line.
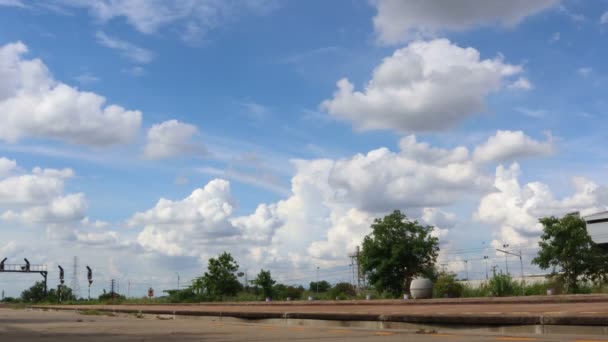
485,259
521,263
466,268
177,280
494,267
129,289
505,246
317,280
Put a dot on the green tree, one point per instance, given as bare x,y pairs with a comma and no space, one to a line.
265,281
65,292
221,279
321,286
343,291
565,244
396,251
34,294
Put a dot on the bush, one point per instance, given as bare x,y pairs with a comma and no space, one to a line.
447,286
343,291
502,285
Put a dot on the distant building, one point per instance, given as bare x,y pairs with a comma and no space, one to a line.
597,227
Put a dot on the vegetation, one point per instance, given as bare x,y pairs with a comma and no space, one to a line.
396,251
565,244
220,280
319,287
446,286
265,281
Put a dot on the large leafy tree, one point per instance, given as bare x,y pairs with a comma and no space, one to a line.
221,278
265,281
565,245
34,294
396,251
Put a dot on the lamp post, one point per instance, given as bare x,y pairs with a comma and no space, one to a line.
485,259
505,246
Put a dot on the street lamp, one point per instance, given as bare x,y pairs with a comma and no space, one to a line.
485,259
505,246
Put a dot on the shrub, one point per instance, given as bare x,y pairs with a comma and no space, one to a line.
343,291
447,286
501,285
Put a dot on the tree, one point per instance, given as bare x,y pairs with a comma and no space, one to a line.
221,277
34,294
265,281
343,291
65,292
321,286
565,244
396,251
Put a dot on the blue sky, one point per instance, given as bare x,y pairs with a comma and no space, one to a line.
277,130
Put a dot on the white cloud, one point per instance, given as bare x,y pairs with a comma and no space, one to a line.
7,166
172,138
39,187
555,37
86,78
192,18
604,18
129,50
54,109
38,197
60,209
584,71
533,113
401,20
511,145
515,209
201,218
426,86
521,83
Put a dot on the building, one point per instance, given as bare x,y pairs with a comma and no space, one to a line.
597,227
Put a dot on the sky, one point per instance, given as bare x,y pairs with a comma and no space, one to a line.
145,137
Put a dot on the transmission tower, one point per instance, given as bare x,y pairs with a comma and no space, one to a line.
357,268
75,285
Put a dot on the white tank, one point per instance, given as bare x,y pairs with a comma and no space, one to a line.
421,288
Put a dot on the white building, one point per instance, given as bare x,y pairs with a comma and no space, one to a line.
597,227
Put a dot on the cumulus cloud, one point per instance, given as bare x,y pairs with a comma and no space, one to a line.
425,86
54,109
511,145
129,50
604,18
6,166
172,138
401,20
38,197
515,209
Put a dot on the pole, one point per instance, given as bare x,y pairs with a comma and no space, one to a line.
523,281
317,280
485,259
129,289
466,268
505,246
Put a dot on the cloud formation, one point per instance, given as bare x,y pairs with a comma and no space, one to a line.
425,86
33,104
172,138
402,20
